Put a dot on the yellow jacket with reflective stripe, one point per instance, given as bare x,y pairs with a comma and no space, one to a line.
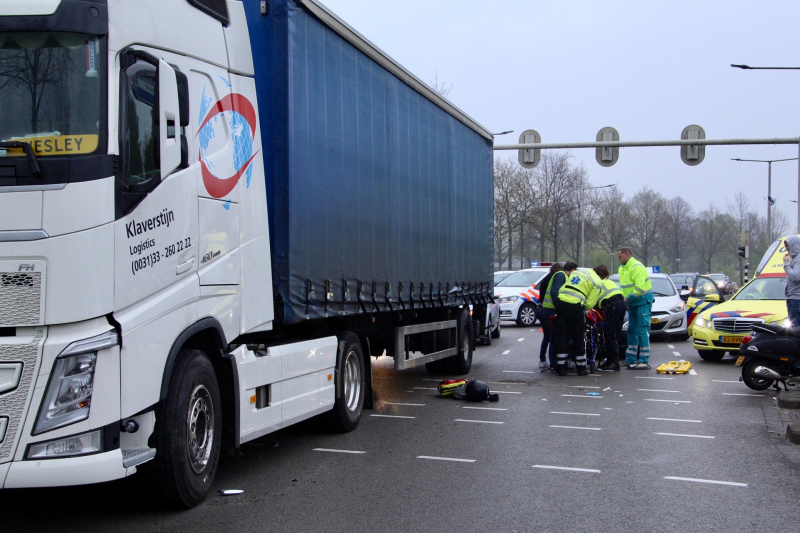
609,289
582,287
634,279
548,298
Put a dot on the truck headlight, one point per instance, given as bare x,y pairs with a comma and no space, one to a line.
507,299
67,447
678,308
699,322
69,392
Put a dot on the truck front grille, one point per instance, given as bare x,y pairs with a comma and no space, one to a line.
737,326
12,403
20,298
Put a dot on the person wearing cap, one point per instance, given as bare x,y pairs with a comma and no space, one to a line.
612,304
638,292
576,297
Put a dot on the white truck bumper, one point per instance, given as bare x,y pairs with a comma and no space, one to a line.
83,470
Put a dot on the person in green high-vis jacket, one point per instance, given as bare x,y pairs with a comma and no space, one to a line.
635,284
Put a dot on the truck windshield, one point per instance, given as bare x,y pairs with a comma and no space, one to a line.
51,92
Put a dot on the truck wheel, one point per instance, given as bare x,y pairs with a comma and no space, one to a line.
711,355
462,361
755,383
496,332
188,432
350,385
526,315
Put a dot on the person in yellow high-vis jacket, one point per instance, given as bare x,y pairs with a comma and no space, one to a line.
576,297
635,284
612,305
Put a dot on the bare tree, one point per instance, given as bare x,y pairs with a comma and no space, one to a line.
678,230
743,219
507,208
612,220
439,86
647,211
713,234
555,182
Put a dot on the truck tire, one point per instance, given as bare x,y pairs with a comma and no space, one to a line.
350,385
526,317
710,355
462,361
188,432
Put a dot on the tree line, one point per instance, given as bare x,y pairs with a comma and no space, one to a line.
537,217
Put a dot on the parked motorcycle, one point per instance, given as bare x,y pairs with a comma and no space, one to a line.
769,355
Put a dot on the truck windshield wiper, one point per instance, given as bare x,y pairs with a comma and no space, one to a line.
25,147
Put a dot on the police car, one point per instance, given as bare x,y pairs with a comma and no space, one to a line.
518,297
717,327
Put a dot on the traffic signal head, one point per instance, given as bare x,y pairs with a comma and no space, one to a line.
744,252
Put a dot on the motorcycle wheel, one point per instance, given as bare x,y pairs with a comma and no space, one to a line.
755,383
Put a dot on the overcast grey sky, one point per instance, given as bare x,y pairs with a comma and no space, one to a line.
647,68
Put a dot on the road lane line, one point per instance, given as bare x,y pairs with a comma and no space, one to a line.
518,372
650,377
741,394
477,421
577,414
336,451
682,435
723,381
675,419
506,392
409,404
576,427
392,416
507,352
731,483
657,390
483,408
671,401
670,346
550,467
521,339
431,457
425,388
676,353
582,387
579,396
692,372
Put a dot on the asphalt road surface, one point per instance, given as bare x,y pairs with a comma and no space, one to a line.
650,453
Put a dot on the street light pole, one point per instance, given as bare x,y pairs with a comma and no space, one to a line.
769,187
580,212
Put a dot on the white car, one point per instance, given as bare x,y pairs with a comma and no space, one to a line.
491,328
668,316
517,296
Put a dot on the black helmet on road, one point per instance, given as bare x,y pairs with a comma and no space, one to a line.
477,391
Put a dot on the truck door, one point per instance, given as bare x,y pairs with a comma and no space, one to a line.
705,294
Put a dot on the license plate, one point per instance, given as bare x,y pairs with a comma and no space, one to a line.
731,340
740,360
654,321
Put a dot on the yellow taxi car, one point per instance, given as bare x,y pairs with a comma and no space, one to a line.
717,327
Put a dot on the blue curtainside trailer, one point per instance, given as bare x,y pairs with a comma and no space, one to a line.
379,190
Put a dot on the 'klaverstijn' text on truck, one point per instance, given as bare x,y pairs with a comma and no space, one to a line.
212,213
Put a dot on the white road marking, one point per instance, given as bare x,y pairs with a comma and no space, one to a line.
670,346
483,408
392,416
549,467
507,352
671,401
445,459
409,404
723,381
692,372
477,421
741,394
579,396
657,390
731,483
518,372
682,435
582,387
425,388
676,353
576,427
577,414
505,392
336,451
650,377
675,420
521,339
533,330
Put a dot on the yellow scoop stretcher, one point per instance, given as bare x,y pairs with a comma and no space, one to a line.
674,367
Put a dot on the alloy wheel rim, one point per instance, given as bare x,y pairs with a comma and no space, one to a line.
200,428
352,381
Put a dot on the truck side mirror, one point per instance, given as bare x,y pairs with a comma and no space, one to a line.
168,119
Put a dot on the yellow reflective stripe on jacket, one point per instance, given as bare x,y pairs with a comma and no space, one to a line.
633,277
609,289
548,299
581,287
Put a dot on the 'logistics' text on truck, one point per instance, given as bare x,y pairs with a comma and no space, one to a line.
207,227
